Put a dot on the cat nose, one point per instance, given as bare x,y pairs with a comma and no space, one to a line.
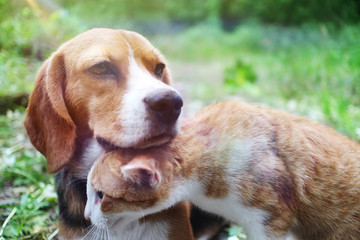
87,216
164,104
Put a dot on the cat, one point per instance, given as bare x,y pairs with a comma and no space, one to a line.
271,172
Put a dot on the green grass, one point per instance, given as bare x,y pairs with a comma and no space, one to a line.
27,38
27,198
311,70
315,67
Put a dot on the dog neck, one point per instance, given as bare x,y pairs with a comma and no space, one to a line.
91,151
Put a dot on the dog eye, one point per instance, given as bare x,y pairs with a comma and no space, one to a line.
159,69
103,68
100,195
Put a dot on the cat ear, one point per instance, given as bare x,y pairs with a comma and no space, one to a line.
142,171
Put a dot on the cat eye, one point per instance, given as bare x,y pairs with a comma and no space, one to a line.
100,195
103,69
159,69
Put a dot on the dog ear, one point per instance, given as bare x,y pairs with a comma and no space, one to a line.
142,171
47,122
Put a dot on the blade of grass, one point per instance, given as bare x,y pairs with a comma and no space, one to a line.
7,220
24,174
53,234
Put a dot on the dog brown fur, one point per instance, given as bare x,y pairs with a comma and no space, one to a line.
76,99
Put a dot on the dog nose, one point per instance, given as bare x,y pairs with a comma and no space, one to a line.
165,104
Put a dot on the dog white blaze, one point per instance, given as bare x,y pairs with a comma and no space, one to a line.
133,114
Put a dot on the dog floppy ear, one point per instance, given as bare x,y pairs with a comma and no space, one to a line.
47,122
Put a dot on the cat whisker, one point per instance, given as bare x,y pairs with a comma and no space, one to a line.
89,228
142,213
104,233
97,233
89,231
107,234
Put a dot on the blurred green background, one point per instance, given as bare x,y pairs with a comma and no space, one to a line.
302,56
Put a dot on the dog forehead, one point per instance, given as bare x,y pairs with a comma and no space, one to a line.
104,36
103,44
95,45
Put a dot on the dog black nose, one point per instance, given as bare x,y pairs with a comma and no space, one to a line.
164,104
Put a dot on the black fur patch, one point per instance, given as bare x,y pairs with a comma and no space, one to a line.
72,199
204,223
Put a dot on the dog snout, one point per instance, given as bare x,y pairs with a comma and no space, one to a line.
164,104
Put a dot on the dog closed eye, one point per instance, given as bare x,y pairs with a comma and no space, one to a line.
103,69
159,69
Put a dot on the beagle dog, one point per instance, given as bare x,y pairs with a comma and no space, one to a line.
103,89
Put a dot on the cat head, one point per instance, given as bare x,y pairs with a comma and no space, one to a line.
124,187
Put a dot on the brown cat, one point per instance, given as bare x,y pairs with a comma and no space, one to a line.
273,173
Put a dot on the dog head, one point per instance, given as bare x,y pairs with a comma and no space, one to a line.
112,85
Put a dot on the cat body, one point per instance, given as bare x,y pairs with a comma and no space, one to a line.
271,172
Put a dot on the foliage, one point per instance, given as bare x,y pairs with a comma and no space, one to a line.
14,46
27,37
236,233
14,73
138,10
291,11
287,12
26,188
316,66
239,75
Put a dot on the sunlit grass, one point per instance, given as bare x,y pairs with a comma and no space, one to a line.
27,197
315,66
